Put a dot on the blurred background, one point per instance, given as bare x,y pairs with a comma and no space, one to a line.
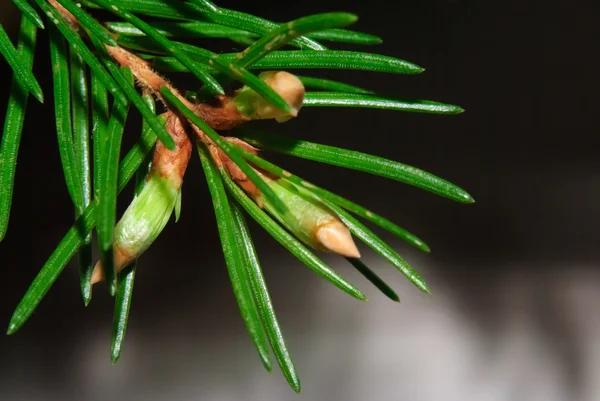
515,277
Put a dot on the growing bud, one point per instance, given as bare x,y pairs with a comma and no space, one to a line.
310,220
142,222
227,112
150,210
287,85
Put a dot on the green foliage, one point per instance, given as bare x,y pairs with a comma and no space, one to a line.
88,23
92,95
374,279
263,301
75,238
22,73
336,99
81,151
355,160
135,98
29,13
62,108
13,125
77,43
235,260
292,59
290,31
126,278
199,29
328,84
107,193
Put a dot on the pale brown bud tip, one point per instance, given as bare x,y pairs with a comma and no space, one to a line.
289,87
336,237
98,273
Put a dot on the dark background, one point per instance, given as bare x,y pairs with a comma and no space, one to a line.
515,276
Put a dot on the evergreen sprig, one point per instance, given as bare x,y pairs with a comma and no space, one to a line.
93,89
